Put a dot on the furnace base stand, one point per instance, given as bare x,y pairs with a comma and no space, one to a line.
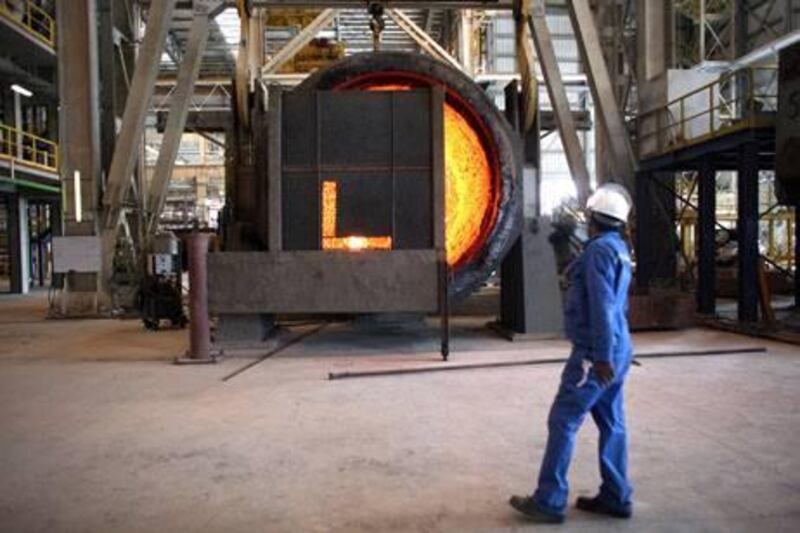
530,292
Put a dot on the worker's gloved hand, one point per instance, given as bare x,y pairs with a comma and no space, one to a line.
604,371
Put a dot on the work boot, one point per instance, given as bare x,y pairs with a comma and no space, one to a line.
598,506
528,507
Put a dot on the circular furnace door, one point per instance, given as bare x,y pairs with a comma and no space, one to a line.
483,195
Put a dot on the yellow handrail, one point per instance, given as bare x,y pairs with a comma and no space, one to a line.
31,18
777,224
28,149
676,121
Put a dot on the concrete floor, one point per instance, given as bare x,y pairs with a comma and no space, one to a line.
99,433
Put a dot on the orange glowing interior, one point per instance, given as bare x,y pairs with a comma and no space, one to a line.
468,186
469,191
332,241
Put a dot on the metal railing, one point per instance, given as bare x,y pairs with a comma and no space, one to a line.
776,222
31,18
27,149
776,236
742,99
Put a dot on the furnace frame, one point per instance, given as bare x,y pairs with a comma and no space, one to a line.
316,281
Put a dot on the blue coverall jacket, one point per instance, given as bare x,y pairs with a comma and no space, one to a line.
596,323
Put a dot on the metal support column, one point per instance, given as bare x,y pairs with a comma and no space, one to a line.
274,162
255,46
530,299
465,40
603,94
178,111
706,229
512,278
747,232
106,32
558,99
79,122
796,255
643,239
199,324
439,210
79,132
18,247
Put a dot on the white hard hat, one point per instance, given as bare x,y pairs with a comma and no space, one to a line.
612,200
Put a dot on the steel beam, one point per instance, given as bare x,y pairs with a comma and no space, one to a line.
173,48
747,232
178,112
558,99
438,172
706,229
578,80
624,161
644,219
107,69
136,108
427,25
255,46
526,67
424,40
17,226
771,49
241,76
274,163
465,40
796,254
298,42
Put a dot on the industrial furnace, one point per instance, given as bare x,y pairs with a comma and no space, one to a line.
482,157
378,184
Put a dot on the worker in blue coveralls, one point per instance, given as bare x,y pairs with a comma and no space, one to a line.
593,378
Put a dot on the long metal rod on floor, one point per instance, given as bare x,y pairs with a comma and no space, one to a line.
534,362
270,353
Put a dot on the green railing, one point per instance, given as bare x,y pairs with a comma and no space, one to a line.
31,18
738,100
27,149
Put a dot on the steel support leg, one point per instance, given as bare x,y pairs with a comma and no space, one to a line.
796,255
747,232
706,229
16,245
178,111
439,202
558,99
274,170
605,101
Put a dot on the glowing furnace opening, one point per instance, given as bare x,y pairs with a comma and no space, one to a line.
471,176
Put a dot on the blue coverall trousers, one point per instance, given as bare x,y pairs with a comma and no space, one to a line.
573,401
